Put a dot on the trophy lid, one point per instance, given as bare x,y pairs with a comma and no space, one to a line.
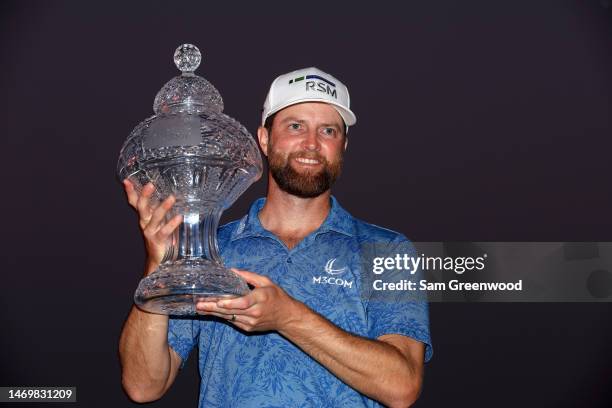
188,92
189,147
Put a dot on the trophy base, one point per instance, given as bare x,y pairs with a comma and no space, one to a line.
175,287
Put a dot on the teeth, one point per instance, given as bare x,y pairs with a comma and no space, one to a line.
307,161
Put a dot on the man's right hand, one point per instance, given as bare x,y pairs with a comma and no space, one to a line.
156,231
149,365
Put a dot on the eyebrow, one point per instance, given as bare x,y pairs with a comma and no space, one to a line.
294,119
331,125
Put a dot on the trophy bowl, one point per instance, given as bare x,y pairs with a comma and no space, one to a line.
190,149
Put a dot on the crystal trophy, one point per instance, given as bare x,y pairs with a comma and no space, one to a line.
189,148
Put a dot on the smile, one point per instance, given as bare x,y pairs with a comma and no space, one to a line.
306,161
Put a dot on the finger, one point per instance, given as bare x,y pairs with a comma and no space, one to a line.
209,306
221,315
130,192
244,322
214,308
243,326
238,319
170,226
240,303
143,207
253,278
160,212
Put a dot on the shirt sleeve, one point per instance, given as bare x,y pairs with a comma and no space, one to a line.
183,335
398,311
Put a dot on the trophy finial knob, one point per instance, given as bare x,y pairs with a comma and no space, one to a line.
187,58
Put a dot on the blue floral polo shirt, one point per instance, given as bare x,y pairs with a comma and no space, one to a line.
324,271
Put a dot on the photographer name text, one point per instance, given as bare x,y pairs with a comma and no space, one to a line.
453,285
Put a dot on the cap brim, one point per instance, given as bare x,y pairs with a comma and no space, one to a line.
347,115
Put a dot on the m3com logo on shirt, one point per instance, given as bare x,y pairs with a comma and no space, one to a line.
329,268
332,277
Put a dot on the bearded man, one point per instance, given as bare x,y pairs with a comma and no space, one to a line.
305,336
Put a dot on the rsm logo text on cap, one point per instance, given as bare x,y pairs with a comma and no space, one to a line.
326,86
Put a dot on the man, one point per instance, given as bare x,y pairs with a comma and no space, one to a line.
306,335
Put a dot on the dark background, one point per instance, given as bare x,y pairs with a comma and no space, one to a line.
477,120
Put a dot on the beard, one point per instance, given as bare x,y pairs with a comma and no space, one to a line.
307,183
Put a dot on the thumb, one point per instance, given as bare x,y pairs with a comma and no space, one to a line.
253,278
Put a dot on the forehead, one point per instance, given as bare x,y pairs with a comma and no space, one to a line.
311,112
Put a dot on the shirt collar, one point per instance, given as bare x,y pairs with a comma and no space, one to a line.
338,220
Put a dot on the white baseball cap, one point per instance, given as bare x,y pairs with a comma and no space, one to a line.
308,85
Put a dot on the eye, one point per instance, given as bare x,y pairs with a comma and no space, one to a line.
295,126
329,131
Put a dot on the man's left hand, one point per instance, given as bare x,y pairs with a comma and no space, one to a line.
266,307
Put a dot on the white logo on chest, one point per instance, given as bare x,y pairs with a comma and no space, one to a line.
332,280
329,268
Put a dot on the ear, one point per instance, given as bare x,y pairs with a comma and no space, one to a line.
263,137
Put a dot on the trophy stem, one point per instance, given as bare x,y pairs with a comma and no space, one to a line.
197,235
196,273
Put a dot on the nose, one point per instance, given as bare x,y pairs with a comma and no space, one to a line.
311,141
